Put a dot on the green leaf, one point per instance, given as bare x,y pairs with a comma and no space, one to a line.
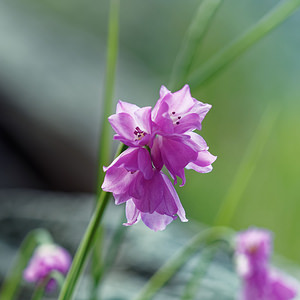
221,59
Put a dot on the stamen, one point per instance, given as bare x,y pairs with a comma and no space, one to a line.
173,112
139,133
177,123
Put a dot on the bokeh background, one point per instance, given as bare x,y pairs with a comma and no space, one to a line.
52,63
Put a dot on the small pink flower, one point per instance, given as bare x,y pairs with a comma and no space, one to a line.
260,282
47,258
132,124
178,112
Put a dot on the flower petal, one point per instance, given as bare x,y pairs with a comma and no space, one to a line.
174,195
133,215
117,180
124,125
147,194
144,163
126,107
156,221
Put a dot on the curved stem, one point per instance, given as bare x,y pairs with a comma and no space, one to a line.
247,167
112,53
221,59
191,42
86,244
161,277
40,289
84,248
11,284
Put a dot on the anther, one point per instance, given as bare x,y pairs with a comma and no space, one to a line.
173,112
177,123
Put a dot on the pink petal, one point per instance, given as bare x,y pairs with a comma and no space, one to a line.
156,221
126,107
174,195
124,125
132,213
147,194
144,163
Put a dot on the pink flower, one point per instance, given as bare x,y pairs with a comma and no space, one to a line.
260,282
178,112
163,137
149,194
176,146
47,258
132,124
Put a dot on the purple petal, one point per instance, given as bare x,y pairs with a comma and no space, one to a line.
163,91
126,107
198,139
121,198
203,162
127,159
156,221
124,125
187,123
161,118
117,180
143,118
176,154
132,213
174,195
147,194
144,163
156,154
280,290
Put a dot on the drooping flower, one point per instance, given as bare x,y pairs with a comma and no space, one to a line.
47,258
132,124
149,194
163,137
260,281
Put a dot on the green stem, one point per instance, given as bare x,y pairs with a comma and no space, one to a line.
84,248
11,284
161,277
40,289
200,270
112,53
191,42
270,21
86,244
247,166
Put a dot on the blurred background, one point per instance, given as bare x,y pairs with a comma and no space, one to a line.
52,64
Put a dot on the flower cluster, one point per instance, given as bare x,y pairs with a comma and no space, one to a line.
47,258
260,282
162,136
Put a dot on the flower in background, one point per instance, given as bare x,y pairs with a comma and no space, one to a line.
47,258
157,138
260,282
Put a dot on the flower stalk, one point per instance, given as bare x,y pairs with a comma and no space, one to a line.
221,59
167,271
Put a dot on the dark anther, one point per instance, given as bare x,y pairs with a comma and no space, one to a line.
179,118
177,123
173,112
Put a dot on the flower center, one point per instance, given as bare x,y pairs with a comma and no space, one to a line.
139,133
175,118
